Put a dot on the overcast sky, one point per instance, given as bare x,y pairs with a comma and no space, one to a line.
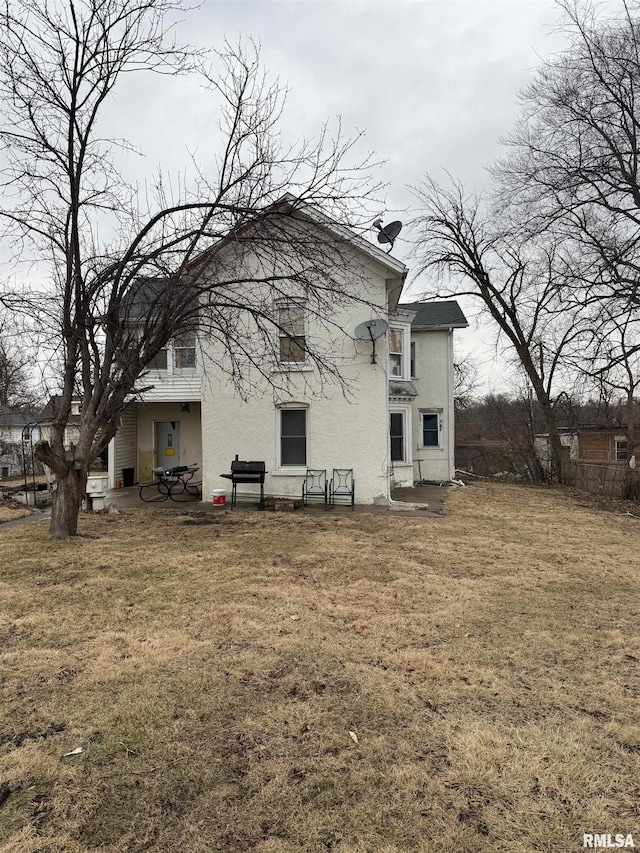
433,83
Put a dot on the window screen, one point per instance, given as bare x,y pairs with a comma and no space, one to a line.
159,361
397,437
292,337
293,437
185,350
430,436
395,352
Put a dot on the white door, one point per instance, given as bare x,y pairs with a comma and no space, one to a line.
167,443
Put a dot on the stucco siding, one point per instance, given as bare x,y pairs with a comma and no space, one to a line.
434,383
344,430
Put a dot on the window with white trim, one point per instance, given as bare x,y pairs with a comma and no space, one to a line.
621,449
292,333
159,361
395,351
412,372
397,436
293,437
430,425
178,356
184,351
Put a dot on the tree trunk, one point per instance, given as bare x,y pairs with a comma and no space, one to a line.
631,486
555,444
67,499
544,400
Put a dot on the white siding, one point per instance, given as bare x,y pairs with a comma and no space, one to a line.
126,442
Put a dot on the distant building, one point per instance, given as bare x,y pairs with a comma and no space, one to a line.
14,426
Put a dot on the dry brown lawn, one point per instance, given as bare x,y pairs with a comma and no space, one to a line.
10,513
309,682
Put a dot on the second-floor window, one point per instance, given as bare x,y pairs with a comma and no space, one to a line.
179,355
291,319
395,352
184,351
159,361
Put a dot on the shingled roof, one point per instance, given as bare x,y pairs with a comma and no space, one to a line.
436,315
15,417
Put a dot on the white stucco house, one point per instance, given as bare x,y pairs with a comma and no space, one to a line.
392,422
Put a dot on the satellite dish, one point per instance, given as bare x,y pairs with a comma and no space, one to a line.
371,330
388,233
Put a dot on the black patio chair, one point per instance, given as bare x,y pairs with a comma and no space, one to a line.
314,487
342,488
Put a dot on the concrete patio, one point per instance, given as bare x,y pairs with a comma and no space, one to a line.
433,496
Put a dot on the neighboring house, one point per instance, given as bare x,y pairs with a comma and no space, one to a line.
589,444
15,426
394,426
71,431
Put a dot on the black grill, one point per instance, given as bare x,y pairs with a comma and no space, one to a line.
246,472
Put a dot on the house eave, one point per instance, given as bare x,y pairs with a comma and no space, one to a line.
447,327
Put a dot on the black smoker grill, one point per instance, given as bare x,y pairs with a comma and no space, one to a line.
246,472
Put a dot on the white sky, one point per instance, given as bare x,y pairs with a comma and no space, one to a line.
433,83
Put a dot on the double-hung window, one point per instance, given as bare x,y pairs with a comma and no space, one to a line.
184,351
291,322
395,352
293,437
159,361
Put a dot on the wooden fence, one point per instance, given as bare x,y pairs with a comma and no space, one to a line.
603,478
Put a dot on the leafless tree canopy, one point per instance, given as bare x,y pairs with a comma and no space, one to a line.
126,271
471,253
553,251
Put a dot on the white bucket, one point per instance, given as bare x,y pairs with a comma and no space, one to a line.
219,497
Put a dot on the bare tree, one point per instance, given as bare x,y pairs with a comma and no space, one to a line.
496,434
127,271
465,381
514,279
610,361
573,168
17,389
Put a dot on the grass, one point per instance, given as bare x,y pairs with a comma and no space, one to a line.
10,513
214,668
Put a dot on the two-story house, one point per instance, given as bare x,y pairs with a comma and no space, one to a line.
391,420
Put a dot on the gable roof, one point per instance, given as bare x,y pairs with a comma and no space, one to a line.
50,410
289,204
436,315
15,417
